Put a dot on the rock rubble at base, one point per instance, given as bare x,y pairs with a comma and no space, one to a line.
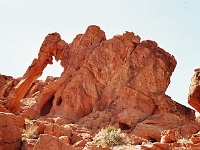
119,82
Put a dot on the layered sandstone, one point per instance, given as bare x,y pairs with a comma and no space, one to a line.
119,81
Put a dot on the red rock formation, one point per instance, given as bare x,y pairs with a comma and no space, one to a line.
119,82
53,143
184,131
194,91
10,131
52,46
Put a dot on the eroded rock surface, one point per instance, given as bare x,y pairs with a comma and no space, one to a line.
119,82
10,131
194,90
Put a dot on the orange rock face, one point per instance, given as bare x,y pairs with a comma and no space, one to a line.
10,133
194,91
120,82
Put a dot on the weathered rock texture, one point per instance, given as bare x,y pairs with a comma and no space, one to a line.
10,131
120,82
194,91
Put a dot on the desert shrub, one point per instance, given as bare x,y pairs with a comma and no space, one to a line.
30,129
30,132
110,137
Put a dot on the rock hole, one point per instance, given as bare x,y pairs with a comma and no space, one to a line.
153,140
124,126
78,68
59,101
47,107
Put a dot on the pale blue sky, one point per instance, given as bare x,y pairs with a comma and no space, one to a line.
173,24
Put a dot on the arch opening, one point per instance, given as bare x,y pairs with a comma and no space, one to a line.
53,70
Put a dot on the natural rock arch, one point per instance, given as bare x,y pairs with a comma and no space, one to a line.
53,45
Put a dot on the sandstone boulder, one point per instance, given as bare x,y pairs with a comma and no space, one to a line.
56,130
28,144
49,142
10,131
185,131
